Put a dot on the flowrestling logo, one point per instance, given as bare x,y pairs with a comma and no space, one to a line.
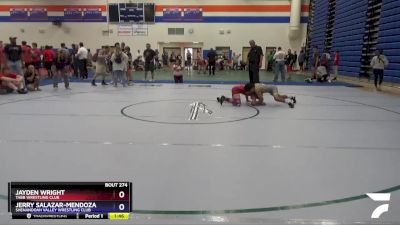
197,107
379,197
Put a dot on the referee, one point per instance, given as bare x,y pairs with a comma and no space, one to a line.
254,60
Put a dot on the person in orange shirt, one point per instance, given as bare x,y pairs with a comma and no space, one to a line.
49,58
26,54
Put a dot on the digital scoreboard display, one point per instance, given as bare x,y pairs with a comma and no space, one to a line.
70,200
131,12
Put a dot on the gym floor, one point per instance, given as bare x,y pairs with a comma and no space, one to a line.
267,165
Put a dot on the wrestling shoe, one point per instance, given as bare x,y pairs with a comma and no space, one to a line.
22,91
291,105
223,98
293,98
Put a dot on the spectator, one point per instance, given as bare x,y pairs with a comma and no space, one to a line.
12,81
165,58
82,56
220,62
14,56
271,60
138,64
235,59
172,59
62,64
36,54
321,75
179,58
119,63
49,58
254,60
336,65
294,61
315,62
129,71
326,61
2,58
289,60
75,60
26,54
101,65
211,58
149,55
178,74
302,57
189,60
279,58
32,78
201,62
157,63
89,59
378,64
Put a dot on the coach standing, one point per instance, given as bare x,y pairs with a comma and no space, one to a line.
254,60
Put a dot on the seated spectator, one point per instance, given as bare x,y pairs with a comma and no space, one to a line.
221,63
178,74
32,78
229,64
12,82
321,75
242,65
138,64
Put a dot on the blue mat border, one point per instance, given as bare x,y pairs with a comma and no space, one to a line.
218,82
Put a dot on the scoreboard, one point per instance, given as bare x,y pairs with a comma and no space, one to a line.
131,12
70,200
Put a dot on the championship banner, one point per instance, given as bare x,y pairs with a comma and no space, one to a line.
93,13
172,14
19,13
125,30
140,30
192,14
72,13
38,13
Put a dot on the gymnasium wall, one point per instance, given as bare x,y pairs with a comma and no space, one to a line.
267,22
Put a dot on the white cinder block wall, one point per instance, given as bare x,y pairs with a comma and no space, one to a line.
265,34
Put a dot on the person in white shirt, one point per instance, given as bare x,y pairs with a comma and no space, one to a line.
82,56
279,58
378,64
119,66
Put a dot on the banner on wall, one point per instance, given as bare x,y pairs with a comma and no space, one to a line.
140,29
172,14
193,14
38,13
92,13
18,13
72,13
125,30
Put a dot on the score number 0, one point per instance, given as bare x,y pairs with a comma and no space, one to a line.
121,194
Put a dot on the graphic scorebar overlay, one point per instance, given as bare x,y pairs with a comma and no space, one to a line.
70,200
